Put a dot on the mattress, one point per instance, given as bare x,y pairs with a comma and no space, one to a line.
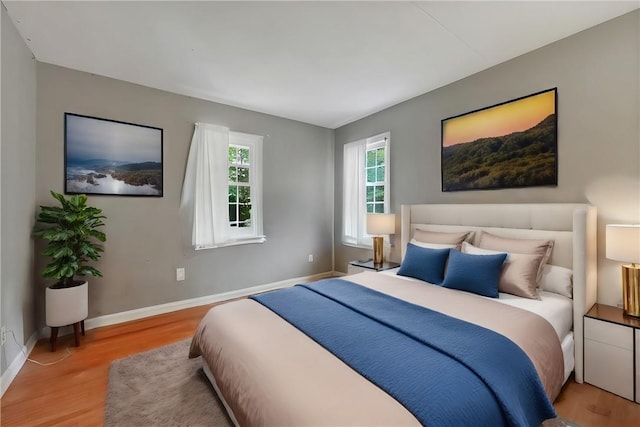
212,380
567,351
556,309
241,343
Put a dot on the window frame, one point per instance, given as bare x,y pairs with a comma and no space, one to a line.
354,234
253,233
376,144
237,230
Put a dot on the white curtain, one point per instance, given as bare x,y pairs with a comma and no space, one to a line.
354,202
204,200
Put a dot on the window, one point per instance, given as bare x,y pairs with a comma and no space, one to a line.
242,185
375,172
239,186
365,186
222,190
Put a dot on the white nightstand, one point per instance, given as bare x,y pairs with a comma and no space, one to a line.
368,265
611,342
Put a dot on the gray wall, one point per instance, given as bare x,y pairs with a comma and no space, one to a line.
18,154
597,76
144,244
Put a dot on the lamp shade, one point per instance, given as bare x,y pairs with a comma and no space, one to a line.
381,224
623,242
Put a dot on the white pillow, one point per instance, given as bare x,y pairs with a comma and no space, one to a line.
557,279
431,245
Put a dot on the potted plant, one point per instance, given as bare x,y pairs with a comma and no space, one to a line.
71,231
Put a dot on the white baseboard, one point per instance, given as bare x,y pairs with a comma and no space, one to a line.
140,313
17,364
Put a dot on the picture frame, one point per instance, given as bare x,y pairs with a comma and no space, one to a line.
111,157
512,144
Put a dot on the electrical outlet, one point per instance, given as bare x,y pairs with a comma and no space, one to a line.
179,274
3,335
310,258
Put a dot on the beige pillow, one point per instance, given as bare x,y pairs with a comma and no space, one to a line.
519,271
519,246
432,245
442,238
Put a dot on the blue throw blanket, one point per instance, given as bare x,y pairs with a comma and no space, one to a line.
445,371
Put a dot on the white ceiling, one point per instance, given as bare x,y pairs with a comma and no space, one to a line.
325,63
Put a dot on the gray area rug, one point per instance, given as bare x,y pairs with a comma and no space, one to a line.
559,422
162,387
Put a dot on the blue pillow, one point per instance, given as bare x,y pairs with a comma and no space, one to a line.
474,273
424,263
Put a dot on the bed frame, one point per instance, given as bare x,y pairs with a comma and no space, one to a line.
571,225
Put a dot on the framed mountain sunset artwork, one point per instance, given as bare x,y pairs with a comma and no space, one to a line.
111,157
508,145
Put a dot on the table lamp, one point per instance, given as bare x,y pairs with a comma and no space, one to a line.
623,244
378,224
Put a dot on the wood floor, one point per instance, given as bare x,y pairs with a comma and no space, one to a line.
72,392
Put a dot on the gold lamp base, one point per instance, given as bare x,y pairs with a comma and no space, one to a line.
377,250
631,290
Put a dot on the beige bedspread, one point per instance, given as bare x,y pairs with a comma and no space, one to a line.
269,373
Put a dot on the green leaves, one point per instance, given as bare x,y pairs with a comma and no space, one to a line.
71,230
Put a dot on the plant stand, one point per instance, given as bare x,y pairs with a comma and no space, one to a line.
76,334
67,306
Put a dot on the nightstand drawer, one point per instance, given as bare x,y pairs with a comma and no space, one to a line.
608,333
609,367
637,366
611,342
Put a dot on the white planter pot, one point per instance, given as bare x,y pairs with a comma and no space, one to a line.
67,306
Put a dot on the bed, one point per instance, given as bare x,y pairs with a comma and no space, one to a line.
268,372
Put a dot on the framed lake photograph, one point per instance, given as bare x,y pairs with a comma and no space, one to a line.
508,145
110,157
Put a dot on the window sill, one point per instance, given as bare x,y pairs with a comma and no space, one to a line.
234,242
387,245
354,245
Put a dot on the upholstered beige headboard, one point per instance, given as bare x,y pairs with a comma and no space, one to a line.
571,225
